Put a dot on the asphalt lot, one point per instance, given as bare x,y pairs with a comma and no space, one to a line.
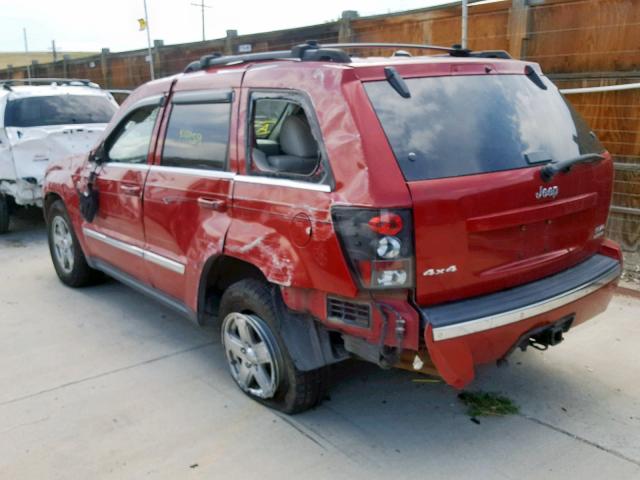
104,383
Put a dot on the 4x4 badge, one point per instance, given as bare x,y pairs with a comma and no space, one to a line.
547,192
440,271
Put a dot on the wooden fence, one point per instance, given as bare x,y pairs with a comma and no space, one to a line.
579,43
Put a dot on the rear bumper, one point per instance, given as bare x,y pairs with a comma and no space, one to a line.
483,329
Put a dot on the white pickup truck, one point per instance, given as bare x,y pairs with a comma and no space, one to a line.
39,122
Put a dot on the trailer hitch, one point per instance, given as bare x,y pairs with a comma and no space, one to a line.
541,338
548,336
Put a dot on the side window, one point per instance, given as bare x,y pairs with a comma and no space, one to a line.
197,136
282,141
130,144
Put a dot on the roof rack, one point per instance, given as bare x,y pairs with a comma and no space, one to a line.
332,52
454,50
74,82
309,51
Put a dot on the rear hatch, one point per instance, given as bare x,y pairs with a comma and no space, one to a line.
45,128
471,148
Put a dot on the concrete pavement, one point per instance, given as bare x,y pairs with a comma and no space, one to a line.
104,383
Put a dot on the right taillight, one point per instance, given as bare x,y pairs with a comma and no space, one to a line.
378,244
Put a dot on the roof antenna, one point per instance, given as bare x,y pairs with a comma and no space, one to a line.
397,82
531,74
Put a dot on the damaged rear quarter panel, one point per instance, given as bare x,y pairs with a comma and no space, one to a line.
263,218
261,230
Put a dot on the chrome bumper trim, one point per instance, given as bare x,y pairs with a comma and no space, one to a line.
513,316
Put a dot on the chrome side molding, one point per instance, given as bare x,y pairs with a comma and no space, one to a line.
137,251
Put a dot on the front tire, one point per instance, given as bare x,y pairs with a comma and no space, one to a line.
257,355
67,256
4,213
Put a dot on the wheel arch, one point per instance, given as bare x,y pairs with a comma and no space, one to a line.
49,199
218,274
310,345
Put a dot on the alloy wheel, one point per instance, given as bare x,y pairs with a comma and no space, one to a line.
62,243
250,350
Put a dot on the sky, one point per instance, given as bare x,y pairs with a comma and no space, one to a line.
90,25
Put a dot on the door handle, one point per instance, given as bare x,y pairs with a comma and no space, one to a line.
212,204
130,189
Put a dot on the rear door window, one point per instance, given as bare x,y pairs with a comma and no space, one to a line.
464,125
197,136
58,110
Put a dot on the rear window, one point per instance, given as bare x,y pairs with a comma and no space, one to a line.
465,125
58,110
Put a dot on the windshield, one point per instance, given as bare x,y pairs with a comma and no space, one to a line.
58,110
465,125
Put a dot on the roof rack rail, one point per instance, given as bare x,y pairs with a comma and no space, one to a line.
309,51
490,54
332,52
454,50
80,82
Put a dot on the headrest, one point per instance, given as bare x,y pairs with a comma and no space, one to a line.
296,138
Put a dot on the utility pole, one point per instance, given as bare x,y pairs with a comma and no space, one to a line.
202,6
54,51
146,21
26,53
465,17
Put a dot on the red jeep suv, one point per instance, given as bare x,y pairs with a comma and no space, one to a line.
430,213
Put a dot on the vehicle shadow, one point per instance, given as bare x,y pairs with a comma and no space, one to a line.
26,226
395,421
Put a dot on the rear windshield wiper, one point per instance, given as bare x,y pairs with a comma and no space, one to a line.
549,171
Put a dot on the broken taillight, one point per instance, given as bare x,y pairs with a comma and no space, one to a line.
378,245
386,223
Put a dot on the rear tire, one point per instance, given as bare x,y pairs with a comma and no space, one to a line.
4,213
258,358
66,253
